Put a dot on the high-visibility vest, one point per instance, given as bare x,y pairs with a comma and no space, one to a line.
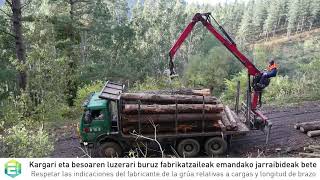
273,66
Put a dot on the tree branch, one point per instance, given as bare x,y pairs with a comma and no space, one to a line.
4,31
26,4
5,13
154,139
10,4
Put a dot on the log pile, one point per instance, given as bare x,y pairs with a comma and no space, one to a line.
175,113
312,129
185,91
168,99
312,151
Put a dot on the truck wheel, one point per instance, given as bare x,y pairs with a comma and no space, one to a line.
109,149
215,146
188,148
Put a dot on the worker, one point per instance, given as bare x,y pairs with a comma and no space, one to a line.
271,71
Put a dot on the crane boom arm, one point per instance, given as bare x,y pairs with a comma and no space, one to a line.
226,41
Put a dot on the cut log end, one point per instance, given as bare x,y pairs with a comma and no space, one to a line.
233,122
302,129
309,155
313,133
308,126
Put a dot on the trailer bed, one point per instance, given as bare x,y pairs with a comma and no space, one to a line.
177,126
242,130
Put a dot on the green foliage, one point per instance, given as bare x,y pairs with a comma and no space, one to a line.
281,89
151,83
16,108
53,109
261,57
84,91
310,77
229,95
210,70
24,141
1,125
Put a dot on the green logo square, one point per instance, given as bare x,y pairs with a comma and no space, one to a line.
12,168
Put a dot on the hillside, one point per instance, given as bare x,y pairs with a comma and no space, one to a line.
291,51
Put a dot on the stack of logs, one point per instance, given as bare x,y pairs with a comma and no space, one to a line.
177,112
311,128
312,151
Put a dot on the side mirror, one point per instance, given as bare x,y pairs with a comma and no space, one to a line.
87,117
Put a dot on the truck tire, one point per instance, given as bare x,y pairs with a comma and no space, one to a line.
215,146
188,148
109,149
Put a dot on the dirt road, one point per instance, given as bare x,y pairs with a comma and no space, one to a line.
284,139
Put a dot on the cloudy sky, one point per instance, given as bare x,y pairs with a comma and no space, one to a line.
1,2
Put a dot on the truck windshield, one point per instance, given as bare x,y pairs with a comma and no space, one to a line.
90,115
97,114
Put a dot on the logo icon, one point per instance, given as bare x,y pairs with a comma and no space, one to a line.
12,168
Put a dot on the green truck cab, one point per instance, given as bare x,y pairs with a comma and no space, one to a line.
96,118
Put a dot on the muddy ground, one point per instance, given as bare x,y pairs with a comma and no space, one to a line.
285,141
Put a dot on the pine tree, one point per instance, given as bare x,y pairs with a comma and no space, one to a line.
246,30
305,13
294,10
283,15
271,21
259,15
315,13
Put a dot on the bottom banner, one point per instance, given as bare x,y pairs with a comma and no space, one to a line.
161,168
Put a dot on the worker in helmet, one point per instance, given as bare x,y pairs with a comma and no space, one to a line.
271,71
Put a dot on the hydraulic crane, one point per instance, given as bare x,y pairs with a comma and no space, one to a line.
254,117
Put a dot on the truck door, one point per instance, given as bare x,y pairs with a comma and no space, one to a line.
96,122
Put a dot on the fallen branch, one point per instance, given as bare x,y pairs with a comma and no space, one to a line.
85,152
154,139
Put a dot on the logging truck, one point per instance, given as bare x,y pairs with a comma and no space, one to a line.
115,122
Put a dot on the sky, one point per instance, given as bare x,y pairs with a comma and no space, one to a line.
1,2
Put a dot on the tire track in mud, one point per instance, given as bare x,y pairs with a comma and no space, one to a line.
283,136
